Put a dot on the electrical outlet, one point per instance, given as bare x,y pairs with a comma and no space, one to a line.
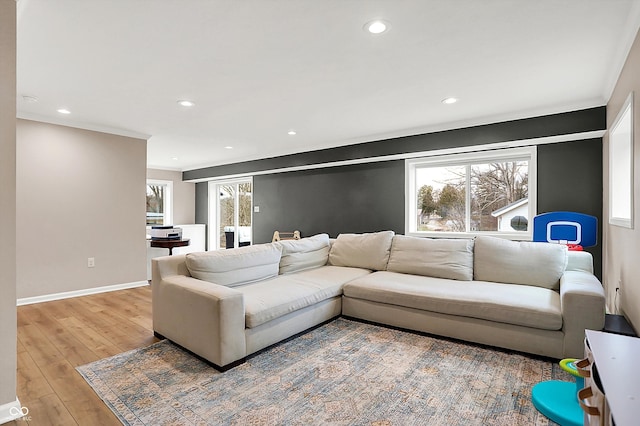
91,262
256,209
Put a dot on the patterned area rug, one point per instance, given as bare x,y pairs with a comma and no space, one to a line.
343,373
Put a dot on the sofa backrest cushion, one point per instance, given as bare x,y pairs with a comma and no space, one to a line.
440,258
238,266
368,251
519,262
306,253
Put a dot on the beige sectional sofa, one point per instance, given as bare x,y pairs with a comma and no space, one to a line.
225,305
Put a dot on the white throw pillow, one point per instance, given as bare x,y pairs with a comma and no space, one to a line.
238,266
432,257
368,251
306,253
519,262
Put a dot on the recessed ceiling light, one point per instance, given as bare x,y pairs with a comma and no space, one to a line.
29,99
292,132
185,103
450,101
64,111
377,26
174,158
228,147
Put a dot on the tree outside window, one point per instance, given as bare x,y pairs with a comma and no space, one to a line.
495,186
471,196
155,204
159,202
229,195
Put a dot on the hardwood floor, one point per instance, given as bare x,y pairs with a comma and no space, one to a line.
55,337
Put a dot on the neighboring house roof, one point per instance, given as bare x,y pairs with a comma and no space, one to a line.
509,207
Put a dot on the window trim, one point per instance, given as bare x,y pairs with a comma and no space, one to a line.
463,159
168,200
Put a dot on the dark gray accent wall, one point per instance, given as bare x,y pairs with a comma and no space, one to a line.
570,179
202,206
358,198
370,197
550,125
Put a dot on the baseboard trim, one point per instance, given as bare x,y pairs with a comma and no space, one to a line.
12,411
77,293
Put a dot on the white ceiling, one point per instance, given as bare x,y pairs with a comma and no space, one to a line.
258,68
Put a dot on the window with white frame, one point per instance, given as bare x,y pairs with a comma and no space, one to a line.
159,202
488,192
621,167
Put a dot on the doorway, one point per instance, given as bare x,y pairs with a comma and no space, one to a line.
230,213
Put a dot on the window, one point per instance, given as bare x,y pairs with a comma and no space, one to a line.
621,167
491,192
159,202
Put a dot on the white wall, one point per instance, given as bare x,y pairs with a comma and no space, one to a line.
622,245
8,326
184,195
80,194
504,222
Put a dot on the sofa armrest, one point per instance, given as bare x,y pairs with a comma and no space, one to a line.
582,300
205,318
166,266
579,261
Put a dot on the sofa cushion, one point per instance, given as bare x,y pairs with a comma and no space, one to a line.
519,262
442,258
370,251
267,300
306,253
233,267
528,306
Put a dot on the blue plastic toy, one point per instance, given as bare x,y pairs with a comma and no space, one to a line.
558,400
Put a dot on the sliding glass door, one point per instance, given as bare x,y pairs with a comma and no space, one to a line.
230,213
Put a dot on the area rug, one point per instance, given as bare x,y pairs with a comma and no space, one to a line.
343,373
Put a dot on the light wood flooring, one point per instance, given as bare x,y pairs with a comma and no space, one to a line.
55,337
